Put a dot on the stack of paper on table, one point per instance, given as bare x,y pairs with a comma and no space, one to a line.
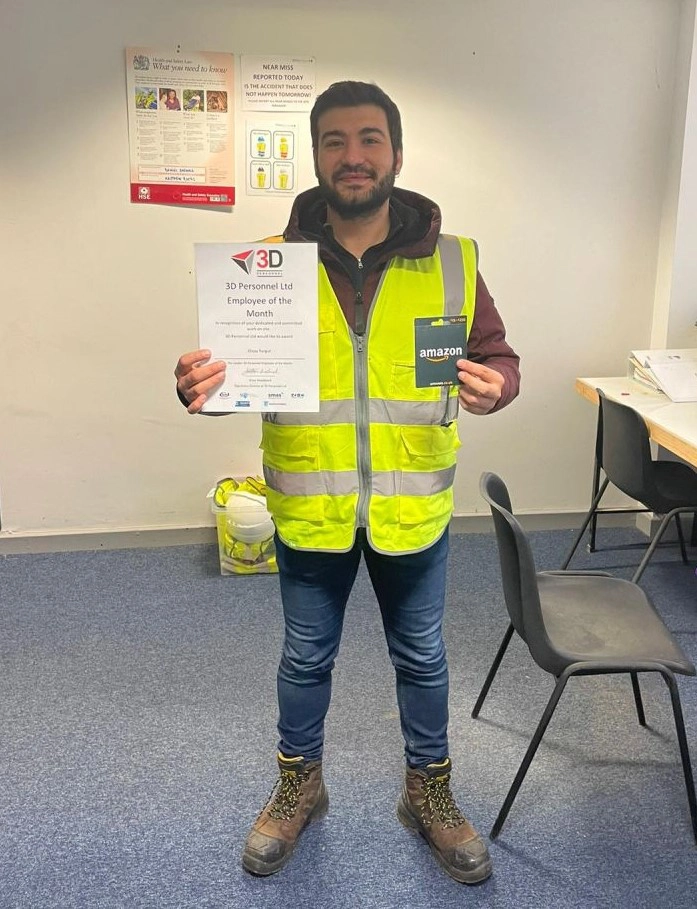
674,372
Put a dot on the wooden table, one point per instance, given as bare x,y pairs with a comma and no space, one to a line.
672,426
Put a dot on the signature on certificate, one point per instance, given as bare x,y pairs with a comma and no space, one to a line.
260,371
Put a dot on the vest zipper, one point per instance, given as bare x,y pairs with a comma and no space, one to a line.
362,403
362,429
359,309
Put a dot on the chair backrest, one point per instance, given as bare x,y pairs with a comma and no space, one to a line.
518,572
626,449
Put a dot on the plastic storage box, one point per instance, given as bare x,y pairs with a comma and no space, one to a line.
244,527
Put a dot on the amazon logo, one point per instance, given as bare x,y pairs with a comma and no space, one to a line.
440,354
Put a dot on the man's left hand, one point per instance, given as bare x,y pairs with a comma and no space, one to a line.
480,386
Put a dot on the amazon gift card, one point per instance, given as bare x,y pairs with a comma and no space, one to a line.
440,342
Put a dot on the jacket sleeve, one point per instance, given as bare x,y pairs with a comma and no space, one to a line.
487,344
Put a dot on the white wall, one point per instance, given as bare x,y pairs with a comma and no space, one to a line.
542,128
675,305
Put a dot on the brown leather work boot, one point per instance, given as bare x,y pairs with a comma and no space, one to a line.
298,798
427,805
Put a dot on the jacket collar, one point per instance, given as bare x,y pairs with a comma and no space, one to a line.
415,223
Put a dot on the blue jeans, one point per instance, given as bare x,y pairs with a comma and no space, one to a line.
410,590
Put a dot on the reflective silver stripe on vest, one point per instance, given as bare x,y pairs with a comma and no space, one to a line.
320,482
399,413
343,411
345,482
453,268
409,413
394,483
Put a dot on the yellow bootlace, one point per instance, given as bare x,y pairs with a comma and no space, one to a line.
440,800
286,794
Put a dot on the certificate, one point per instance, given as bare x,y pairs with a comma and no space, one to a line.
258,311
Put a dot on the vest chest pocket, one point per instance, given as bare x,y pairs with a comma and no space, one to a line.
403,384
429,448
293,449
403,380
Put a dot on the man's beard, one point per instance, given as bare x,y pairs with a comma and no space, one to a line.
361,206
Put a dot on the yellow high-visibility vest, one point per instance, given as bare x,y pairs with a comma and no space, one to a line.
381,452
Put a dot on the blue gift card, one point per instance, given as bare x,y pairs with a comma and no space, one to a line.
440,342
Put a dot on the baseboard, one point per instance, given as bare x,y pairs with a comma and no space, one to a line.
569,520
75,541
648,523
148,538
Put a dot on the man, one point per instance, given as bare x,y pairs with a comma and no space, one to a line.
372,474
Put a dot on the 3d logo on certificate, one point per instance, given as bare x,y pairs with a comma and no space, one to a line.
258,311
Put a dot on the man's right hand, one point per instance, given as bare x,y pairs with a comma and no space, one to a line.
196,377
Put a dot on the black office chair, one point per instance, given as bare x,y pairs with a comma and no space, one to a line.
579,623
595,488
623,450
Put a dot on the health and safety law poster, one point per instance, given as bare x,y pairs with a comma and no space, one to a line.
181,126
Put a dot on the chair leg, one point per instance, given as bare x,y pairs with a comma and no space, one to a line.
494,669
594,492
530,754
681,538
637,699
684,751
586,522
652,546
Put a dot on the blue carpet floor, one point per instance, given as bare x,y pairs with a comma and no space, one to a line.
138,740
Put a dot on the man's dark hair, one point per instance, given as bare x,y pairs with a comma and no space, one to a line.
352,94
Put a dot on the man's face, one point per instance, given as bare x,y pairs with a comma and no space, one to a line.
354,160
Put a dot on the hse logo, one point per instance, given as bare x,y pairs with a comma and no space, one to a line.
262,259
440,354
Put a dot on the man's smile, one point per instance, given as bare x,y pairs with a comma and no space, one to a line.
353,178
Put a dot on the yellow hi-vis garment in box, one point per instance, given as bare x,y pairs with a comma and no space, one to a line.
381,452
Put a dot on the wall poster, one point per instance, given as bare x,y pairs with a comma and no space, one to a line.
274,86
272,157
277,83
181,126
